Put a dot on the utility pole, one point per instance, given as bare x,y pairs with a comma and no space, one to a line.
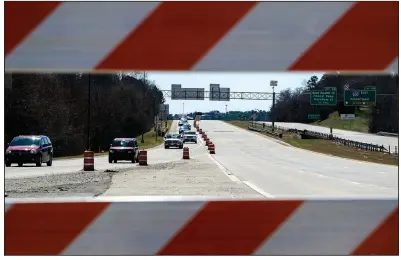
88,148
183,110
273,83
144,82
154,116
226,108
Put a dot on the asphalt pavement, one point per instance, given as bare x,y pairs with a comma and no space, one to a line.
167,174
278,170
64,166
386,141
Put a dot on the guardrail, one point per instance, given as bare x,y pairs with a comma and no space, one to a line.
266,131
387,134
306,134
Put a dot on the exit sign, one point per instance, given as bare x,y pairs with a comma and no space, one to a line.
314,116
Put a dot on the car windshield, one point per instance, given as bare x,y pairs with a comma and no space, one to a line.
25,141
174,136
190,133
124,143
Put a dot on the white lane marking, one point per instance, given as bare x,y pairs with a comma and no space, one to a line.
224,170
257,189
343,180
199,145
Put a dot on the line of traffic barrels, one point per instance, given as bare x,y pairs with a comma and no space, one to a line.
210,145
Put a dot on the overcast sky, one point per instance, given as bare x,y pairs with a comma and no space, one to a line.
236,81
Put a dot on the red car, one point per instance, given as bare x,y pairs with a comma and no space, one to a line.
124,149
36,149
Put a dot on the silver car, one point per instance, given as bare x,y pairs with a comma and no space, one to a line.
190,136
173,140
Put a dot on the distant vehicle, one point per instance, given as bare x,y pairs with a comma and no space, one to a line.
173,140
36,149
184,119
124,149
190,136
183,128
180,123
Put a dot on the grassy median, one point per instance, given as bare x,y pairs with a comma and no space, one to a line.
149,142
328,147
360,124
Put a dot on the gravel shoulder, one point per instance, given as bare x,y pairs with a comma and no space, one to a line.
195,177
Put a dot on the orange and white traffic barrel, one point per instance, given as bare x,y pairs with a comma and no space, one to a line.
185,153
212,148
143,157
89,161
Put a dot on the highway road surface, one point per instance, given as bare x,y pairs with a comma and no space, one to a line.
350,135
277,170
63,166
167,174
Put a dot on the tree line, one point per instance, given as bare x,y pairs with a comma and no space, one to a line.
56,105
294,105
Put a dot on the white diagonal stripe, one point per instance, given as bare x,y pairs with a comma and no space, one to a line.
393,68
140,228
327,227
78,35
273,35
7,206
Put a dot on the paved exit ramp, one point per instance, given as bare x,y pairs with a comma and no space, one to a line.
171,226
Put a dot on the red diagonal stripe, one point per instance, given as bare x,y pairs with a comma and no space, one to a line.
176,35
230,228
21,18
46,228
384,240
365,38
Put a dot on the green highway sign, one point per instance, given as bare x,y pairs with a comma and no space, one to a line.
366,97
327,97
313,116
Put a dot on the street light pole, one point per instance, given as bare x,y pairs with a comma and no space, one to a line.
89,114
273,107
154,116
273,83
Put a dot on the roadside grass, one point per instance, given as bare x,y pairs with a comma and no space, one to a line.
149,142
330,148
360,124
150,138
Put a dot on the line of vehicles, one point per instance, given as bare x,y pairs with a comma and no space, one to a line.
185,135
38,149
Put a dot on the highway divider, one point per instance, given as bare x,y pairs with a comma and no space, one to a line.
190,226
